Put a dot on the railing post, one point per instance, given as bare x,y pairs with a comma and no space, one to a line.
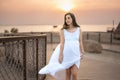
37,59
45,50
99,40
24,61
51,37
87,36
111,38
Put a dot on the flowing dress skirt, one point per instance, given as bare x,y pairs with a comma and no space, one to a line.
71,56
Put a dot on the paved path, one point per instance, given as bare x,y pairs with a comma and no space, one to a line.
111,47
105,66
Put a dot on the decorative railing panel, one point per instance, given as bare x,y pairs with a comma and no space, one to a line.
22,57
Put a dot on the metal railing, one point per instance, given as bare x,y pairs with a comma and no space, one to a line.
102,37
21,57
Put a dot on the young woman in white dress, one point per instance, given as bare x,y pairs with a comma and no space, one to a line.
69,52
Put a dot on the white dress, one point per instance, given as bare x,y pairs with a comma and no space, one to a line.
71,54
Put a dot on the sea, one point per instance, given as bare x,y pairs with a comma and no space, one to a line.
51,28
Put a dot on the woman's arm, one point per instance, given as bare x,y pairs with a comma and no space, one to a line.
81,43
61,45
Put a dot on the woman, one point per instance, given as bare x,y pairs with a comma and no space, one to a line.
69,52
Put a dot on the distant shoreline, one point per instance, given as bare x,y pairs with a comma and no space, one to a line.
50,28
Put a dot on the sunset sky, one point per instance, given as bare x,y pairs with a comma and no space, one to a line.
51,12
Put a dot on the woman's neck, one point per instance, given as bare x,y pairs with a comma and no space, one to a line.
71,26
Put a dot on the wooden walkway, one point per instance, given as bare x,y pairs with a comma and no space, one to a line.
105,66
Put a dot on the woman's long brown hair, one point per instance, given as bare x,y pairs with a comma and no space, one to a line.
65,26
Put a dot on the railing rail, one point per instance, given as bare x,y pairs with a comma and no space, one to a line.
22,57
102,37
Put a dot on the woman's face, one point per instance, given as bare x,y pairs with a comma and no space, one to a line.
68,20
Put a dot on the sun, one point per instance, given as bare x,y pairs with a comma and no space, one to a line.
66,5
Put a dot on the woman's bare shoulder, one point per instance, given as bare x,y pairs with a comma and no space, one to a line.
61,31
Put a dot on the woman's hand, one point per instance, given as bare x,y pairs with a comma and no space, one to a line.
60,59
82,55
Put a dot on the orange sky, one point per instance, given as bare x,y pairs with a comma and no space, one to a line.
50,12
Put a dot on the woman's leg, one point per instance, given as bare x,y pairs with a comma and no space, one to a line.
74,72
68,74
